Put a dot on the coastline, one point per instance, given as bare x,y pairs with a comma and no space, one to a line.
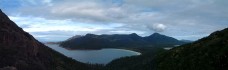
138,53
123,49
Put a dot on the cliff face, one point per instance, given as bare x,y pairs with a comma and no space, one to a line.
21,51
11,36
16,44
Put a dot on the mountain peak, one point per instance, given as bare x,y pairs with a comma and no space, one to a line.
159,38
89,34
134,34
13,36
0,10
3,15
156,33
21,51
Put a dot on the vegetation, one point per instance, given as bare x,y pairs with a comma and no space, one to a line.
141,62
91,41
209,53
21,51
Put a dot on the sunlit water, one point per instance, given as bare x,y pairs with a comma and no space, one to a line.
102,56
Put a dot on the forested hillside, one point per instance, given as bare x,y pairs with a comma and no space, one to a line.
209,53
21,51
92,41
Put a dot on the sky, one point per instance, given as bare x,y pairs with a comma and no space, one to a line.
57,20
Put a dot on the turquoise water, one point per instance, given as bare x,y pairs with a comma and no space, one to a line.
102,56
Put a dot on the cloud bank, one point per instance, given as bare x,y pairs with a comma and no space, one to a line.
177,18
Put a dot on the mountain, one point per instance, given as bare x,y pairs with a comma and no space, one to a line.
158,39
21,51
76,36
92,41
209,53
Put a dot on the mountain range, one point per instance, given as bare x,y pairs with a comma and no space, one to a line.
92,41
208,53
21,51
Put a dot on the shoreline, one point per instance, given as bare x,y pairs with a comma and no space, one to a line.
124,49
138,53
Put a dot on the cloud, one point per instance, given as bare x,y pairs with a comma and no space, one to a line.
42,24
157,27
44,29
177,18
84,11
35,2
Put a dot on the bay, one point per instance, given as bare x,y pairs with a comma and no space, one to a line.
102,56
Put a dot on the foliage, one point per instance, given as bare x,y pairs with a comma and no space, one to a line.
141,62
91,41
209,53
